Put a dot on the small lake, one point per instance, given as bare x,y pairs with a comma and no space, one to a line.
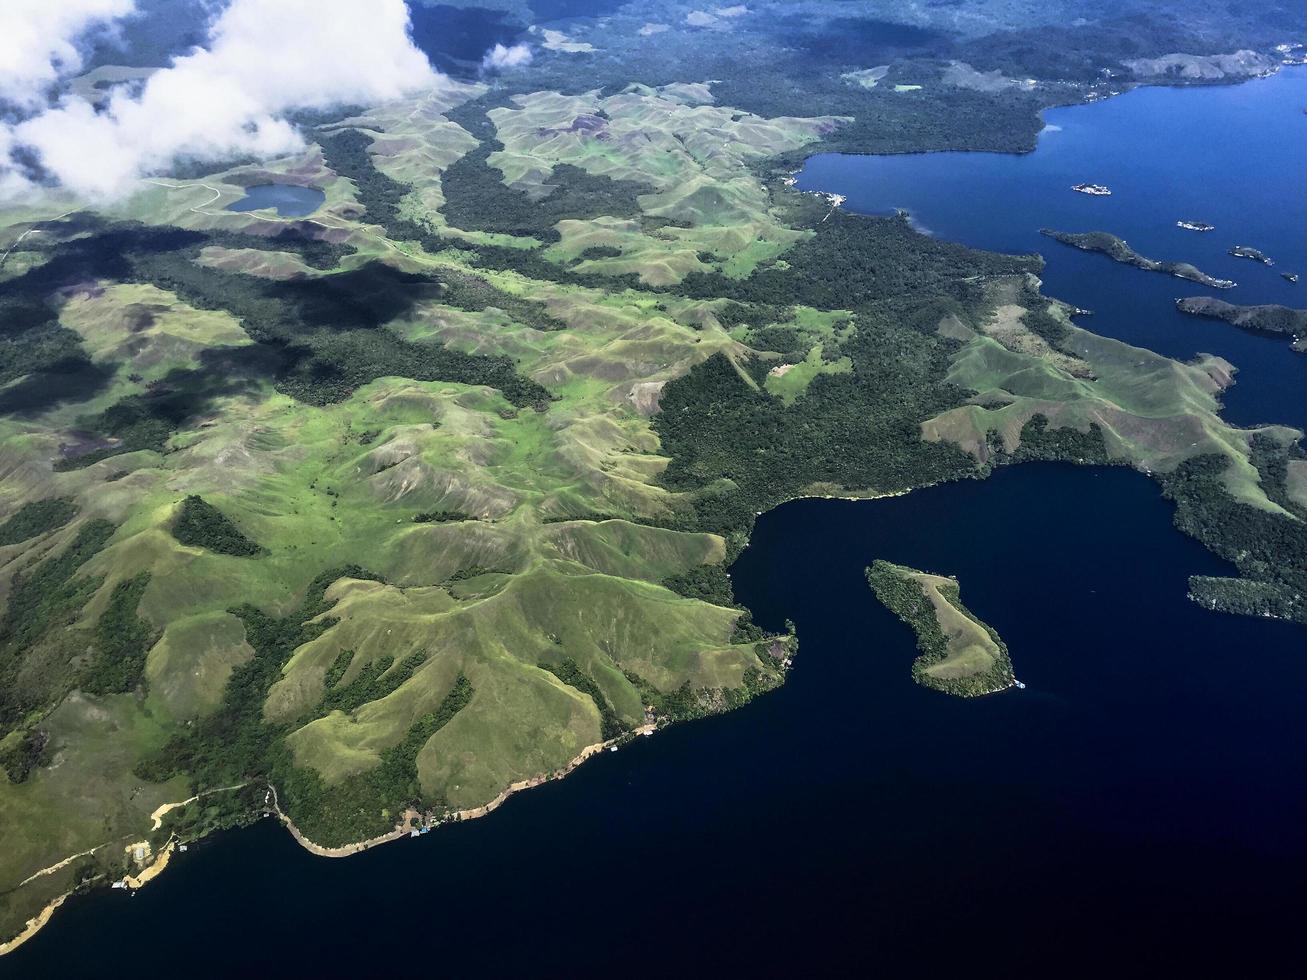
1232,156
289,200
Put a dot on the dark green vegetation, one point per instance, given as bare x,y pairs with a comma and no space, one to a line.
26,752
686,704
547,532
328,335
37,517
234,743
34,667
854,430
1269,549
853,261
201,525
316,340
570,673
121,641
1079,51
960,654
477,200
708,583
1117,250
440,517
1039,442
140,422
348,812
374,682
347,155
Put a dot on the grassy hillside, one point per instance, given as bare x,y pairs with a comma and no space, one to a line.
960,654
417,499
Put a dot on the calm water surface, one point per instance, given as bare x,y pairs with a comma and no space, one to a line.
289,200
1140,805
1232,156
1140,808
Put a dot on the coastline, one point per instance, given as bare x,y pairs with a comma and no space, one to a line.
162,859
472,813
34,925
131,882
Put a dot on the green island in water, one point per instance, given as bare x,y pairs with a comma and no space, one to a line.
370,517
960,654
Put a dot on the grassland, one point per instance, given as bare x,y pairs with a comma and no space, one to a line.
247,496
959,654
223,437
1150,412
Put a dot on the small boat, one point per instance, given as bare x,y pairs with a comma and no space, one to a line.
1093,190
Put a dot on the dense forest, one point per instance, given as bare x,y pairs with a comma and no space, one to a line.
199,524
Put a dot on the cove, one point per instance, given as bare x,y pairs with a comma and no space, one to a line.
289,200
1139,806
1233,156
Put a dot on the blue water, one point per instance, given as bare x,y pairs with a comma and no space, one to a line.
1141,803
1233,156
1140,809
289,200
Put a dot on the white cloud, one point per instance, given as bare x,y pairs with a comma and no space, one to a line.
38,43
500,58
739,10
700,18
263,59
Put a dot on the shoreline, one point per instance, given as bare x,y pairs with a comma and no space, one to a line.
39,921
162,859
472,813
34,925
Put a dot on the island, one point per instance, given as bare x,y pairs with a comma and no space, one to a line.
960,654
1268,318
1248,252
1195,225
1116,249
1093,190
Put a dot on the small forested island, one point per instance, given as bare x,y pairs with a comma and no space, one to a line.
960,654
1117,249
1268,318
1248,252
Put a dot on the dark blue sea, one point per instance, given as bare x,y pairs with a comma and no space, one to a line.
1140,809
1231,156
